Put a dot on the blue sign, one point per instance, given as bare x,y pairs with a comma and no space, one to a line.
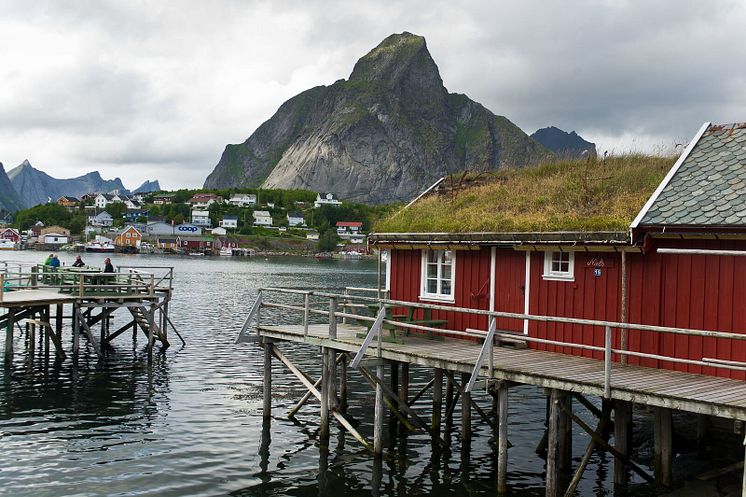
597,272
192,229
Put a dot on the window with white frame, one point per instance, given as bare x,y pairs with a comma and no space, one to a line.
438,273
559,266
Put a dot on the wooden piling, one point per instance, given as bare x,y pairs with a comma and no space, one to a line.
267,385
553,427
343,383
378,418
663,446
404,390
502,438
465,410
9,336
564,459
324,422
76,333
622,439
437,400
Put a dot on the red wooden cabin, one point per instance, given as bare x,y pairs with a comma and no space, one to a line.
681,265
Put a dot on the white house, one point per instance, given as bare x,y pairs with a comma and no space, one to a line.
201,218
243,199
101,219
229,222
204,200
102,200
296,219
346,229
326,199
53,238
312,235
219,232
262,218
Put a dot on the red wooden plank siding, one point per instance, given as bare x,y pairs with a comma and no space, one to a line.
510,275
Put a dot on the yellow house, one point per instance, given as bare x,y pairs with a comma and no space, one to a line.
130,237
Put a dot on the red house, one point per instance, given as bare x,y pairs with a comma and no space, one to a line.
194,243
10,234
681,264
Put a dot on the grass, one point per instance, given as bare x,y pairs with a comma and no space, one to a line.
591,195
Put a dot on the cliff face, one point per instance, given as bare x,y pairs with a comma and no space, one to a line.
565,145
385,134
36,187
9,199
148,187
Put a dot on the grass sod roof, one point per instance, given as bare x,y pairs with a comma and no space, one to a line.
583,196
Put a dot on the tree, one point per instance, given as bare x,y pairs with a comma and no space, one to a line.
328,241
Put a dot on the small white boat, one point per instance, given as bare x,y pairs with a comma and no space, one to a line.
6,244
196,254
226,251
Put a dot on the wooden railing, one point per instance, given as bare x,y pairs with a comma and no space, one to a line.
608,328
84,281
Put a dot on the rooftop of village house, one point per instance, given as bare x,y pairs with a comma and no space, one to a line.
588,196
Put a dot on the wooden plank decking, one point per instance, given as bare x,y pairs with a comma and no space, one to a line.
653,387
26,298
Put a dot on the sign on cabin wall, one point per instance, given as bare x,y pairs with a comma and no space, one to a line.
599,263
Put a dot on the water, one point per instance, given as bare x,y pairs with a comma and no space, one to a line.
191,424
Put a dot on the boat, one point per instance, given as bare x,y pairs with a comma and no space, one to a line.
226,251
97,246
196,253
6,244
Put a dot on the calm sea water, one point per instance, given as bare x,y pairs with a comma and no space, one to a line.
190,423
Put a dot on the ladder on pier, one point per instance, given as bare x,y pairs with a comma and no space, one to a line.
140,316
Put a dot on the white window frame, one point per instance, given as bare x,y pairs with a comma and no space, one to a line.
424,294
568,275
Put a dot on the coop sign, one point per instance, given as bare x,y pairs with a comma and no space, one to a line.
187,229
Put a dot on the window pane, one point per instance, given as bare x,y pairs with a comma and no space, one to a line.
446,274
447,256
432,256
445,287
432,286
432,271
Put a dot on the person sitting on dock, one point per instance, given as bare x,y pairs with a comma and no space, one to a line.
48,260
108,267
55,262
78,262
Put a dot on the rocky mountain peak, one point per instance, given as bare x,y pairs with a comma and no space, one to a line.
394,58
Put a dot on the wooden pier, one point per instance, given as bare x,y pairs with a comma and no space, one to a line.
86,297
472,363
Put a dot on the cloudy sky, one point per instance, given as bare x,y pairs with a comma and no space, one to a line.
145,90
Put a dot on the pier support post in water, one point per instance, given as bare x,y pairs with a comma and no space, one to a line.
325,380
564,444
267,385
76,333
343,384
502,438
553,422
622,438
465,410
663,446
9,337
437,400
378,418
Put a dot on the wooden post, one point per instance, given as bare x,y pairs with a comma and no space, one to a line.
9,336
267,385
663,446
564,444
333,318
502,438
324,428
58,320
331,364
151,325
449,409
703,427
465,410
76,333
404,391
622,438
343,384
378,421
552,483
437,400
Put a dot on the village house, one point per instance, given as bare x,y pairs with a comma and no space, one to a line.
69,202
163,199
102,219
684,250
11,234
243,199
218,231
326,199
204,200
54,235
262,218
129,238
201,218
347,229
224,245
312,235
167,244
296,219
229,222
194,243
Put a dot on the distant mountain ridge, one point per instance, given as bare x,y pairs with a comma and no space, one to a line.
148,187
565,145
385,134
9,199
37,187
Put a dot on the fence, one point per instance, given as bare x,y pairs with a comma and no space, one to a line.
351,301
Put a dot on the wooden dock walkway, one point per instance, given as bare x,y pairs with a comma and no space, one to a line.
653,387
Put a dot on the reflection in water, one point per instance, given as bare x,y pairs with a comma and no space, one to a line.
191,423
